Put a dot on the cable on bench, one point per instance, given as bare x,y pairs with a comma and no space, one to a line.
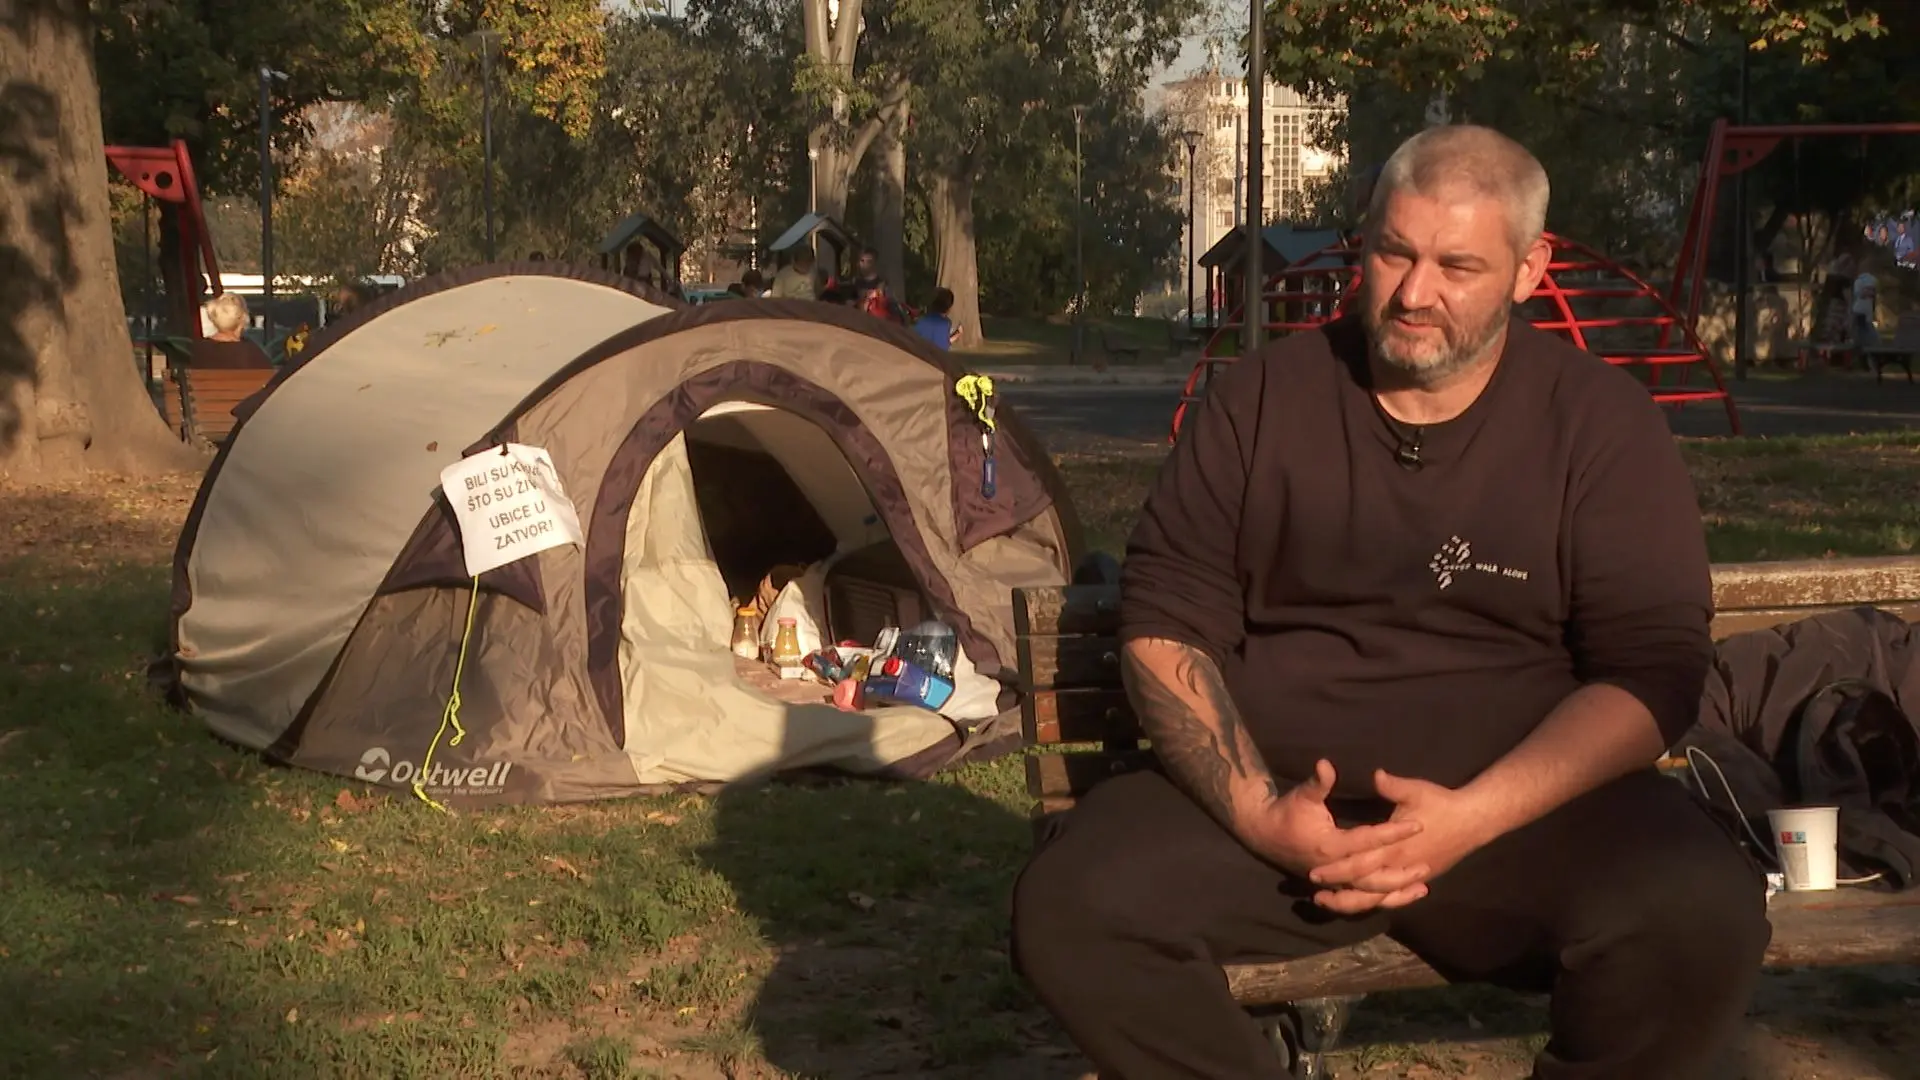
1766,849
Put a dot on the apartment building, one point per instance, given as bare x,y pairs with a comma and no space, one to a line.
1216,106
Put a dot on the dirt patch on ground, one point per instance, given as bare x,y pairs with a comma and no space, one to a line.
95,522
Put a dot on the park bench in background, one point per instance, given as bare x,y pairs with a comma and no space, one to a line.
1901,350
1120,348
1070,669
199,402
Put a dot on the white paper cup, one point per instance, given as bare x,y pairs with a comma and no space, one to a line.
1805,838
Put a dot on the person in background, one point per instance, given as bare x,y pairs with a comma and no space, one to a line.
937,325
878,304
225,347
754,284
794,281
1902,244
866,272
1866,295
537,256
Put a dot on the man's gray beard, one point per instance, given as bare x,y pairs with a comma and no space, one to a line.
1451,362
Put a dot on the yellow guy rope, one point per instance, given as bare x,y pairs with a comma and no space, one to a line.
450,718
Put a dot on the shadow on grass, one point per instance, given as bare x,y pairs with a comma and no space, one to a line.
885,909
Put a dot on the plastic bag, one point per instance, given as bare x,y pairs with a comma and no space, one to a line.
804,600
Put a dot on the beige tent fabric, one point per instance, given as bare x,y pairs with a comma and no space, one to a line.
323,485
688,718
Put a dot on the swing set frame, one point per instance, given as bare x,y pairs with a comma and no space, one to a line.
1732,149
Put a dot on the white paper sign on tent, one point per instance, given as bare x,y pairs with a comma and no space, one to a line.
509,503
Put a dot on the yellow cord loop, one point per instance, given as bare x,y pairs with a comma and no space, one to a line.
450,718
977,392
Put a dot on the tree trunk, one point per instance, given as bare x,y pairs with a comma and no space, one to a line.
835,178
70,394
890,203
950,204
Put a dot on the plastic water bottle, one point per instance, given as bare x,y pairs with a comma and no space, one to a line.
932,647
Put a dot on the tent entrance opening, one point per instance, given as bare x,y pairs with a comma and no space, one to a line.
776,495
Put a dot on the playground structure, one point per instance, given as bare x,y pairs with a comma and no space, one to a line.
668,250
1585,297
166,174
1732,149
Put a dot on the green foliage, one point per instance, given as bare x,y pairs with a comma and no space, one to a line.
1428,45
1617,101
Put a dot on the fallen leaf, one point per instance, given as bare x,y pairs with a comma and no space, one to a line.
186,899
347,803
432,446
664,819
293,1016
8,736
861,901
338,845
562,865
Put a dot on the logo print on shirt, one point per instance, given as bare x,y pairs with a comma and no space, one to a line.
1456,557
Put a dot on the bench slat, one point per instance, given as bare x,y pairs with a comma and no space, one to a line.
1071,609
1052,776
211,395
1840,928
1076,716
1815,583
1067,662
1729,623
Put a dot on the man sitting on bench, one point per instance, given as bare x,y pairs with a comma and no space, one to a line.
1414,606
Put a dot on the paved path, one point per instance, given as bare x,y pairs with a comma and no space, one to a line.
1087,416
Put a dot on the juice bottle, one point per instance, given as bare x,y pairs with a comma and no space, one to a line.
786,650
746,632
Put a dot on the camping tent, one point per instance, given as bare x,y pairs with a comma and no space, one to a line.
322,603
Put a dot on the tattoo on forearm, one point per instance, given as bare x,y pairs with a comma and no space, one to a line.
1184,708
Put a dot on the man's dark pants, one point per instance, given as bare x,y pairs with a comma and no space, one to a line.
1633,906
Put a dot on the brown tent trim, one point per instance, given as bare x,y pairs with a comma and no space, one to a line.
767,384
182,595
434,557
1017,444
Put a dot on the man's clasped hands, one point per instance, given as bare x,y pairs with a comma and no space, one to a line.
1366,867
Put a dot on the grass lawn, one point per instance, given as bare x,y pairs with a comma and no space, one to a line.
1037,341
170,906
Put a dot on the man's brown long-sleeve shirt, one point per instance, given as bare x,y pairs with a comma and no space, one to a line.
1424,621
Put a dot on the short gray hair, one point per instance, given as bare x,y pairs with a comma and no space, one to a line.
1479,159
227,312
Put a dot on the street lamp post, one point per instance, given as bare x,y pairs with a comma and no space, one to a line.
1079,243
1192,139
1254,303
267,75
486,123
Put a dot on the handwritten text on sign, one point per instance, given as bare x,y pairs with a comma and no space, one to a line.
509,505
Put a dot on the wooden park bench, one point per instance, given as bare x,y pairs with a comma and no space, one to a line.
1119,347
1070,669
199,403
1901,350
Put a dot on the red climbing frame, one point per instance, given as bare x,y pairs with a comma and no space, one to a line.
167,174
1731,150
1585,297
